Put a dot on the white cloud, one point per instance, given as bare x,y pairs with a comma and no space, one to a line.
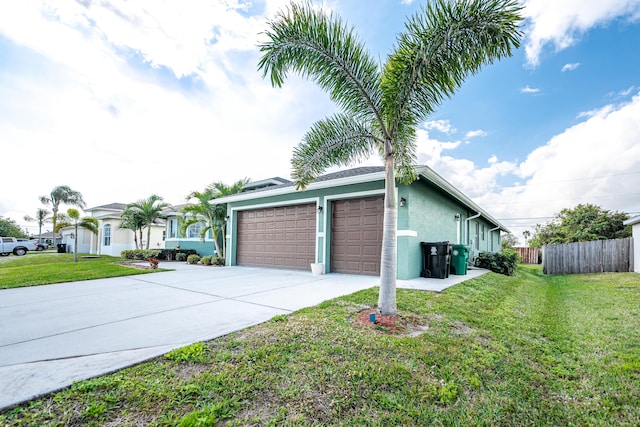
596,161
570,67
561,23
475,133
528,89
114,132
440,125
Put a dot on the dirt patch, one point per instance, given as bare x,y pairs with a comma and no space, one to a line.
136,264
401,324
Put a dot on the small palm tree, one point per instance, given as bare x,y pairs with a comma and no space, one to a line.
62,194
42,217
147,211
214,216
131,220
383,104
72,218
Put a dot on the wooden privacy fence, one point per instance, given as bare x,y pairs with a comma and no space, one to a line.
589,257
529,255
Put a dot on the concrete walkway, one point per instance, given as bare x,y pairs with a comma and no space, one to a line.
54,335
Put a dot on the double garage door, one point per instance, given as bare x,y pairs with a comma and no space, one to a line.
285,236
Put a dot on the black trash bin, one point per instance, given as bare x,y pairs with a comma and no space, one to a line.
62,248
436,259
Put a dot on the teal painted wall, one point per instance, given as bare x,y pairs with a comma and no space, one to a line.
430,214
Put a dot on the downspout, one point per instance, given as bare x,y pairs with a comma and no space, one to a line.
467,226
493,229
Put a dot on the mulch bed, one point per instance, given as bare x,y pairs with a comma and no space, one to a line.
399,324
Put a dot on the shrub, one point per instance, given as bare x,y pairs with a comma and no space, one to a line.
181,256
505,262
170,254
206,260
193,259
153,263
218,261
141,254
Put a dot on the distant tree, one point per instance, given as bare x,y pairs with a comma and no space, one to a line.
509,241
73,219
9,228
42,216
148,212
526,234
213,216
62,194
581,224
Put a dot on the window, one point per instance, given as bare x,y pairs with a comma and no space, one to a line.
172,228
164,235
482,231
107,235
194,230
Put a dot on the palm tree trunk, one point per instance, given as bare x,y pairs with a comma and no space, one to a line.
215,242
388,263
148,236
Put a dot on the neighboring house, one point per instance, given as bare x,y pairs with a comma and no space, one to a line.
191,238
337,221
111,239
635,232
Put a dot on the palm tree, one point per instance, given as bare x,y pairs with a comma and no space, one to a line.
131,220
72,218
147,211
214,216
42,216
382,105
59,195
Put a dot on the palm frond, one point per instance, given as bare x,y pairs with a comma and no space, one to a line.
337,140
305,40
441,46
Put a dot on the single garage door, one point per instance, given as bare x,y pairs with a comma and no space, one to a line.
278,237
356,235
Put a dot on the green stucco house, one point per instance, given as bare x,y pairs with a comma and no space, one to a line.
337,222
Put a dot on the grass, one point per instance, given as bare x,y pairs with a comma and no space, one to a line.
496,350
45,268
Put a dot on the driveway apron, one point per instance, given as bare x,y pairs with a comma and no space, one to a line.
54,335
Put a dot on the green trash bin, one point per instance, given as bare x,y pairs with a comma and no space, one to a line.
459,259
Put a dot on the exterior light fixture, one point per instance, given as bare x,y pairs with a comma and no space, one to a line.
319,209
457,217
403,202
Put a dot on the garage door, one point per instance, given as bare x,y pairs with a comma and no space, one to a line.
278,237
356,235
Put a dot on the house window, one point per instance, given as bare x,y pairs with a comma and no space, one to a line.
164,235
107,235
483,232
172,228
194,230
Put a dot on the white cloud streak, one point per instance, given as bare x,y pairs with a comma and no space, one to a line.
570,67
562,23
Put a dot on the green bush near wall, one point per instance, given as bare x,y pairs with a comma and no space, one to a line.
505,262
140,254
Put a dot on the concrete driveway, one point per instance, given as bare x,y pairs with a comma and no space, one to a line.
54,335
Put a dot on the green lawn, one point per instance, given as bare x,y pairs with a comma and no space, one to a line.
525,350
45,268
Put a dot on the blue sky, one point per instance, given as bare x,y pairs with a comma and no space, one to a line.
121,100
